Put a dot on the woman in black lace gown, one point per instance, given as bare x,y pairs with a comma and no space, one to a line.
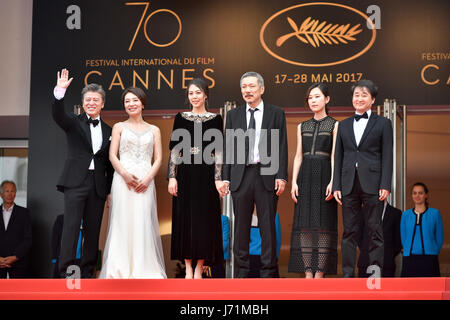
314,231
194,184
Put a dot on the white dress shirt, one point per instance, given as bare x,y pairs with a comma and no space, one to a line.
258,124
96,132
254,220
7,215
96,138
360,126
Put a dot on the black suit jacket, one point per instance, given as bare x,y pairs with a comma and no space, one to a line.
16,240
273,118
374,156
79,151
391,236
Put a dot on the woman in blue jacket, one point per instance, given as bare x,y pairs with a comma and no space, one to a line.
422,236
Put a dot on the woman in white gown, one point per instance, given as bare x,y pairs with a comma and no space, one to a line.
133,246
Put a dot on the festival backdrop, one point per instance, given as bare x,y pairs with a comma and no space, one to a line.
160,45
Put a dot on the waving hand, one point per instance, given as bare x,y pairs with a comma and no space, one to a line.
62,79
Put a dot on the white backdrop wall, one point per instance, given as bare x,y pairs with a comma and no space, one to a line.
15,56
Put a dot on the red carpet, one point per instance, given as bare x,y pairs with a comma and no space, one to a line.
227,289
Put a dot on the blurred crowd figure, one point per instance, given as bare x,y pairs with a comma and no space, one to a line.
15,234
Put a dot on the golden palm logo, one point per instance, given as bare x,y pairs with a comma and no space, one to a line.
314,32
346,39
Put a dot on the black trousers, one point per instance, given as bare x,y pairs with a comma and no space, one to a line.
252,192
14,273
81,203
353,205
255,267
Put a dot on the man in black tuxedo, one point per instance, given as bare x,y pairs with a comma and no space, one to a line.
362,175
255,171
15,234
392,242
87,174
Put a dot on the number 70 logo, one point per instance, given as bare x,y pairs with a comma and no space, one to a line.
146,4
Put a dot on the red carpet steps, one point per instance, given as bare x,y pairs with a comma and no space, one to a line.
227,289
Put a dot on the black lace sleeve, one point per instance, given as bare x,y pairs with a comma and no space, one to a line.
219,153
172,167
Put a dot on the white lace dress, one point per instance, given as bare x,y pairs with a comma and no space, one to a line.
133,246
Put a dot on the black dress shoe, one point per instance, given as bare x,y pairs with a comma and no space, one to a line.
66,275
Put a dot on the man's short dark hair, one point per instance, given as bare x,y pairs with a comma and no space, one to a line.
369,84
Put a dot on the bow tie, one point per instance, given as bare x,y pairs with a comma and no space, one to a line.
359,116
94,122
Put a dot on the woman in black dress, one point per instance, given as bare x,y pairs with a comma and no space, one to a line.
314,231
195,184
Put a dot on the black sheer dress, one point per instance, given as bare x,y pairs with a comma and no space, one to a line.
314,231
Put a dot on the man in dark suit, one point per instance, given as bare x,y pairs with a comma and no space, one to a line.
362,175
392,242
87,174
255,171
15,234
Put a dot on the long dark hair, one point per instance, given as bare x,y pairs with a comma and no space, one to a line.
323,88
425,188
201,84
